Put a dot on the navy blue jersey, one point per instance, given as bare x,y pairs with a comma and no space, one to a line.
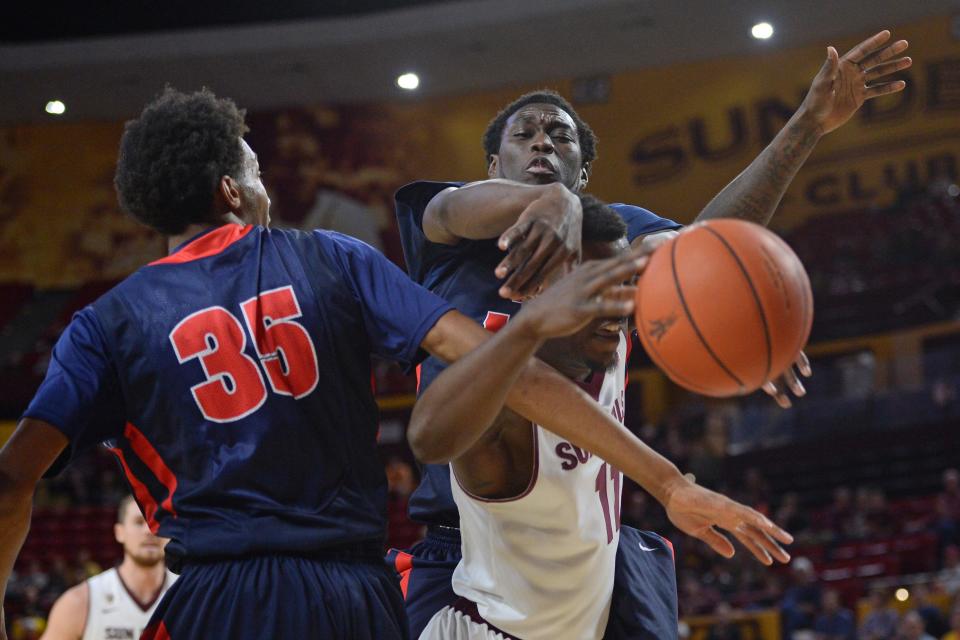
232,381
463,274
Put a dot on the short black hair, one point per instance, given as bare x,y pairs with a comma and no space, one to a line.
173,156
600,222
494,132
123,506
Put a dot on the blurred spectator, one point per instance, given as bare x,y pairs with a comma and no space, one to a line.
933,620
911,628
879,519
834,622
402,532
954,633
839,512
949,577
948,508
791,517
725,628
88,567
695,598
880,623
801,599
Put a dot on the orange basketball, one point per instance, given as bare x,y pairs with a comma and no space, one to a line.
724,307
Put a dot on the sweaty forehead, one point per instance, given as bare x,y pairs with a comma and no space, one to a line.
538,113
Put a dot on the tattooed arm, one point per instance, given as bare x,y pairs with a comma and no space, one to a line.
837,92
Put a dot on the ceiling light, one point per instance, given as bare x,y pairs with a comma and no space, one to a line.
762,30
408,81
55,108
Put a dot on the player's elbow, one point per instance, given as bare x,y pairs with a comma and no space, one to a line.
425,442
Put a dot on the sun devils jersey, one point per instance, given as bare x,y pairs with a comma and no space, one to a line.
113,613
541,565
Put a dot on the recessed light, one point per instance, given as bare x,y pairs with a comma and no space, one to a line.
762,30
408,81
55,108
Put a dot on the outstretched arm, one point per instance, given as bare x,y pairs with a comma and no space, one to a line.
839,89
539,224
455,411
32,448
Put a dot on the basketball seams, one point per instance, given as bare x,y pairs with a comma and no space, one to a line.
756,298
654,353
686,311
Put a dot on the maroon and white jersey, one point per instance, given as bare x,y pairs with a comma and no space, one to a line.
113,613
541,565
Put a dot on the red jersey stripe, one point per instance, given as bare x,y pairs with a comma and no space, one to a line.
146,452
140,491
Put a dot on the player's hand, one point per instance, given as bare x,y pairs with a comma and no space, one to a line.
700,513
843,84
544,238
777,389
595,289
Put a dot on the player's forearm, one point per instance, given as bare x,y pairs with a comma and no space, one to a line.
16,503
755,194
461,404
486,209
544,396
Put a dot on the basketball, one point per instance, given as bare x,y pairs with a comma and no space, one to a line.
724,307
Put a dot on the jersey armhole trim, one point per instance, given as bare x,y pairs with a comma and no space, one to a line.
86,621
534,431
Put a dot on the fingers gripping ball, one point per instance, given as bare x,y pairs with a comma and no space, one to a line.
724,307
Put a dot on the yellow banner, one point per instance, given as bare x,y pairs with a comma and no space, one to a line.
670,139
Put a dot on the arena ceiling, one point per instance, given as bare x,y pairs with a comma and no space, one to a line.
104,60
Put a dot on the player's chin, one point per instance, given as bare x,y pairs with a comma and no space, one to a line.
601,353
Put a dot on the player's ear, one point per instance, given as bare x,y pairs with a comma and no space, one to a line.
119,533
493,166
584,177
229,193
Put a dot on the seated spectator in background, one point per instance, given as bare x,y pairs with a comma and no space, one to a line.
835,622
954,633
933,620
880,520
725,628
801,599
911,628
792,516
949,577
948,508
881,621
840,511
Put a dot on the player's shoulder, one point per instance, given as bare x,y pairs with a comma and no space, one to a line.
642,221
75,599
631,211
418,193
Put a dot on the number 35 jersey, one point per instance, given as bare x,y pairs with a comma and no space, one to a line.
541,565
231,379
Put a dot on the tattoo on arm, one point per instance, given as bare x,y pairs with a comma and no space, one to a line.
755,194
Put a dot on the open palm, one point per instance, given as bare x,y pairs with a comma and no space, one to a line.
843,84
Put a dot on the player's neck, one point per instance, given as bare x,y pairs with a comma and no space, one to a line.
143,582
175,241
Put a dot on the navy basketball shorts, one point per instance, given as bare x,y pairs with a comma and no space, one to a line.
644,605
426,575
281,597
